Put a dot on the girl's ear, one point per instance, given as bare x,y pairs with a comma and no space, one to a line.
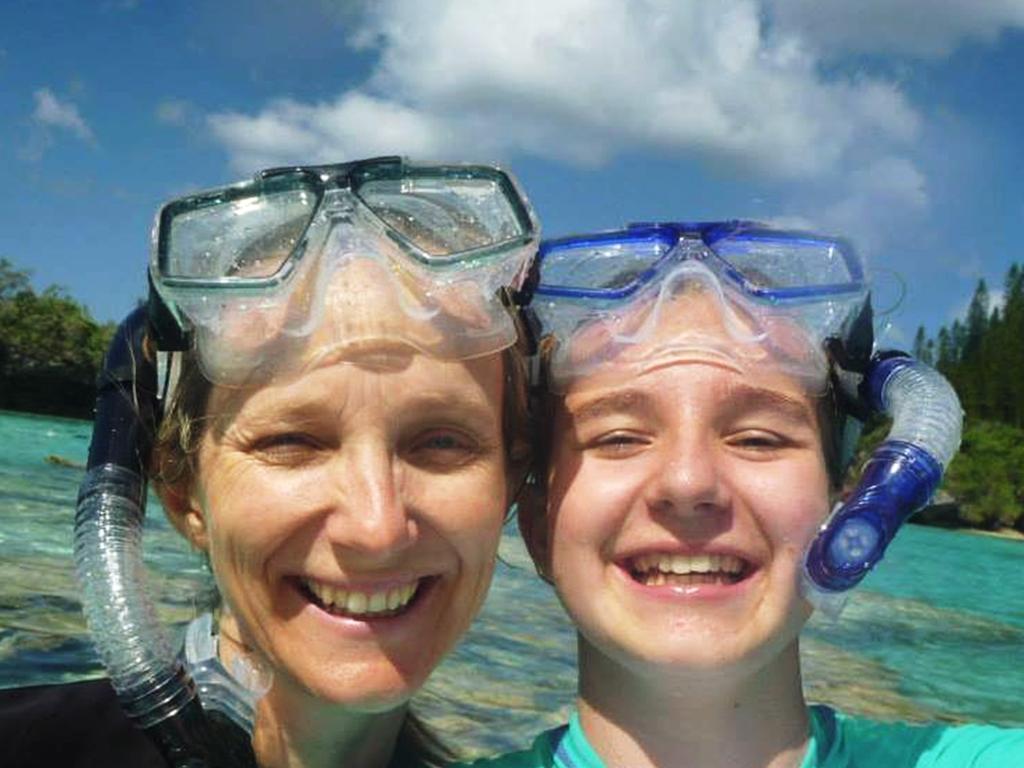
533,526
181,503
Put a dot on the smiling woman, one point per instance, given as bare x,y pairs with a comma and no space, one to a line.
325,505
342,436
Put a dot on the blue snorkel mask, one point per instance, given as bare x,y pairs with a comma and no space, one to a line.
794,300
296,268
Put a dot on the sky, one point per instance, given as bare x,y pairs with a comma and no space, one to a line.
896,123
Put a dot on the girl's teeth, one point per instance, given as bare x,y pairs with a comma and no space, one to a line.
356,603
650,567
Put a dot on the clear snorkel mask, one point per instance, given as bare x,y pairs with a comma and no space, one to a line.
793,300
263,279
274,275
607,297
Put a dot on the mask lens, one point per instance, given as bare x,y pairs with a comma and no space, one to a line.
246,232
443,215
601,266
766,263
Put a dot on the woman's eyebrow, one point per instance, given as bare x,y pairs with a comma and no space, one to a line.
753,398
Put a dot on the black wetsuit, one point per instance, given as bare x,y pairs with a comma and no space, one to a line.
73,725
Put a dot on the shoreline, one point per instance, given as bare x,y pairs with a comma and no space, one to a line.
1010,534
1003,533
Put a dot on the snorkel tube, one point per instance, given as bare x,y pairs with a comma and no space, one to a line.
152,683
898,479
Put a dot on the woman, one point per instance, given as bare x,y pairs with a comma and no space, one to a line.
700,377
342,441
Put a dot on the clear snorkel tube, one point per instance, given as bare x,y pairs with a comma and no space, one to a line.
898,479
153,684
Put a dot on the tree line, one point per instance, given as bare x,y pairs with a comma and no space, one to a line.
983,357
51,348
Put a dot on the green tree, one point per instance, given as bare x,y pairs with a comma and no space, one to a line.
50,348
987,476
12,281
923,347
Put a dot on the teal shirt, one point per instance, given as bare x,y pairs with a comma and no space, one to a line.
836,741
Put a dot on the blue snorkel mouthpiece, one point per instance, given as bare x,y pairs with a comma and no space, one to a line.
899,478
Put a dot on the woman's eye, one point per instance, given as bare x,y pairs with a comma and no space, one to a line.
286,448
444,448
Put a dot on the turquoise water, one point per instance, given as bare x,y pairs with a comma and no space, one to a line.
936,633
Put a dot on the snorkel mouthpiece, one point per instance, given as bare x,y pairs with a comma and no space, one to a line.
900,477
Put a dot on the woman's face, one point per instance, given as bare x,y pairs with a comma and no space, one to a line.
680,500
352,515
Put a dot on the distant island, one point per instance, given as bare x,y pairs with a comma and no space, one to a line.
51,351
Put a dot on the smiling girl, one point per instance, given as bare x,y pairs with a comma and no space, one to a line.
695,441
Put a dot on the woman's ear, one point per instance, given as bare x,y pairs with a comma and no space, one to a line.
181,503
533,526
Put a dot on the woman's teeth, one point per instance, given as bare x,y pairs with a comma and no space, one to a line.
358,603
686,570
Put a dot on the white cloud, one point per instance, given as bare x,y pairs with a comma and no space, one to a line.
355,125
883,192
579,81
51,112
909,27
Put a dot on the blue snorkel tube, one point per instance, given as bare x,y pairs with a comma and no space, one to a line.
152,681
899,478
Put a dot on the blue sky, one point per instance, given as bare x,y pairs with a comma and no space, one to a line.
896,123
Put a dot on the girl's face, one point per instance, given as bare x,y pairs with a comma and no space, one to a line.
352,515
680,501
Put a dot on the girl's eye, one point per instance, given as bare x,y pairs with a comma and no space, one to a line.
759,441
617,444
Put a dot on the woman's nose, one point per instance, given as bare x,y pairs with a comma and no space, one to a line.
686,481
369,512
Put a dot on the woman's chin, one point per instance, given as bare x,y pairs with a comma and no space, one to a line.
353,691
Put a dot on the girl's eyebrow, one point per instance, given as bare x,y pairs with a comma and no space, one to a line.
619,401
752,398
746,397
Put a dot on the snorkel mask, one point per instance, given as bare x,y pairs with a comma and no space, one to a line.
793,300
271,276
265,279
603,297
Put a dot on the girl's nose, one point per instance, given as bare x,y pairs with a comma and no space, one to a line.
369,513
686,481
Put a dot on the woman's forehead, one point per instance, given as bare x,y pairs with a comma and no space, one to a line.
380,381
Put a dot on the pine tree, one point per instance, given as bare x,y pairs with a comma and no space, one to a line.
922,351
